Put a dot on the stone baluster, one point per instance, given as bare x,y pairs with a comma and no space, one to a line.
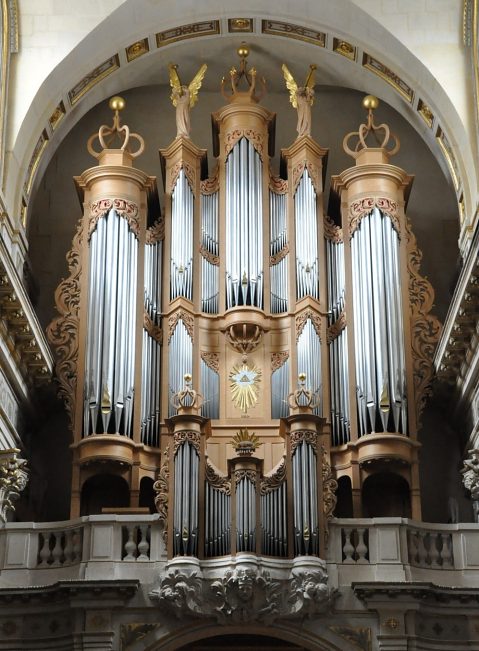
68,549
44,546
447,557
422,552
143,545
57,551
130,545
413,547
361,547
77,545
348,547
434,554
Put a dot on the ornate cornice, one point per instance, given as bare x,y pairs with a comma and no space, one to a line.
425,328
63,330
124,208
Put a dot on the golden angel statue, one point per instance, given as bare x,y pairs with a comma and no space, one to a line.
302,98
184,98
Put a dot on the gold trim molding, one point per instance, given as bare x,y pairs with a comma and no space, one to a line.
136,50
92,78
278,28
345,49
448,154
192,30
42,142
374,65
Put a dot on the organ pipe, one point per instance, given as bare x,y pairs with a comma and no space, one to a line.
305,500
180,360
210,390
181,268
210,253
280,390
278,253
185,519
306,238
309,359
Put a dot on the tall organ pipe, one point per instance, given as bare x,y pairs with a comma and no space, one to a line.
278,242
209,245
307,272
185,516
279,391
180,360
309,359
210,390
110,350
378,332
181,268
244,226
305,500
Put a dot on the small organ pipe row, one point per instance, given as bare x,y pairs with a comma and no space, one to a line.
379,345
210,390
245,515
305,496
180,361
307,272
338,359
309,359
217,522
244,226
110,346
278,242
181,269
279,391
336,283
274,524
185,517
209,243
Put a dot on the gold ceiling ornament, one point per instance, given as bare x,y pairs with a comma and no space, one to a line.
244,385
371,103
245,442
106,135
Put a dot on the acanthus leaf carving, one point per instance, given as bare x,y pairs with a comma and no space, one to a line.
189,171
217,481
362,207
425,327
332,232
277,184
330,486
211,184
210,257
307,435
187,319
186,436
124,208
256,138
153,330
13,479
277,257
62,332
211,359
301,319
313,172
273,480
337,327
156,232
161,490
278,359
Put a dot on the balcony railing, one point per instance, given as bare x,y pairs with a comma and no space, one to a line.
126,546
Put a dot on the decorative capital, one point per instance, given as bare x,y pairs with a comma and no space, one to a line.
13,479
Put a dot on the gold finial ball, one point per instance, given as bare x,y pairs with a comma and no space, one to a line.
117,103
243,51
187,377
370,102
302,377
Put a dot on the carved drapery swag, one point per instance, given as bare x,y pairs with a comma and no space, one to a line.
362,207
62,332
425,327
124,208
160,488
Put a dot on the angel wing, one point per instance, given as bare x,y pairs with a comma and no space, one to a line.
291,85
309,83
175,83
195,84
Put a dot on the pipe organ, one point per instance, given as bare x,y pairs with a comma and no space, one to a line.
242,285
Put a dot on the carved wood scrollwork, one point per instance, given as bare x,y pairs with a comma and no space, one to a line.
187,319
217,481
359,209
153,330
330,486
273,481
306,435
274,259
189,171
156,232
331,231
211,184
212,360
126,209
303,317
62,332
186,436
256,138
337,327
277,184
160,487
425,327
278,359
245,474
313,172
210,257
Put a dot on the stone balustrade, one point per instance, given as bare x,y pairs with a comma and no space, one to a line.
130,546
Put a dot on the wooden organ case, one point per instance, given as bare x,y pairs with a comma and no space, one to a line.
239,355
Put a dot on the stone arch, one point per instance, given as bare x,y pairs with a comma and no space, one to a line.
86,71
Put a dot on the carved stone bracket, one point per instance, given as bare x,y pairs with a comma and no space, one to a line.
210,257
330,486
62,332
186,436
217,481
332,232
274,480
301,319
156,232
313,171
187,319
337,327
274,259
425,328
307,435
153,330
279,359
13,479
362,207
160,488
247,594
126,209
255,137
189,171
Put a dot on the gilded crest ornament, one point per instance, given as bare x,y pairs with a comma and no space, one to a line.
244,384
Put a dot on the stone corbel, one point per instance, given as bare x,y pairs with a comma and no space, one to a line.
13,479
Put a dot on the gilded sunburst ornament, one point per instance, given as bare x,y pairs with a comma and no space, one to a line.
244,384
